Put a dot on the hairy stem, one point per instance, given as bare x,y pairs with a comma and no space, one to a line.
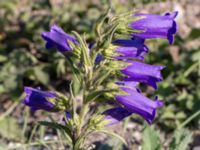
83,113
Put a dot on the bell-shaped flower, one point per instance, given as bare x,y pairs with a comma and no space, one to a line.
130,49
137,103
144,73
115,115
155,26
57,38
37,99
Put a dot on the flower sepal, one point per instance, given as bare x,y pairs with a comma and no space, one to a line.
97,122
61,102
123,24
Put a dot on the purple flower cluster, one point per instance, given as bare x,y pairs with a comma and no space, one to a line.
132,51
35,98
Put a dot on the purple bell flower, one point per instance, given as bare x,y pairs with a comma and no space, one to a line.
155,26
37,99
129,53
57,38
130,49
137,103
144,73
115,115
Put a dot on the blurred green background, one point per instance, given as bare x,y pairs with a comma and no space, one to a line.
24,61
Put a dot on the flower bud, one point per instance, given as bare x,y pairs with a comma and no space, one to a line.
42,100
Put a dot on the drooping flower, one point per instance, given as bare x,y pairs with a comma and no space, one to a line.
137,103
155,26
130,49
37,99
57,38
144,73
115,115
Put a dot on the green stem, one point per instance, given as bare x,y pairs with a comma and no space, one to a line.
83,113
74,144
78,132
190,119
25,122
73,100
77,135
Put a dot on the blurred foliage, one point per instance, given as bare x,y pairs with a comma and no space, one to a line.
8,128
179,140
25,61
151,139
23,58
180,88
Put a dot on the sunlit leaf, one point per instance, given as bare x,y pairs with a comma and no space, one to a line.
151,139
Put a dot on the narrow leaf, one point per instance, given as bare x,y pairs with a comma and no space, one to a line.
55,126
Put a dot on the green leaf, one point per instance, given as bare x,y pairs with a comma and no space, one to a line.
95,94
190,69
76,86
41,75
84,48
56,126
10,129
11,83
100,22
76,72
168,115
195,33
181,115
151,140
181,139
196,56
102,76
3,58
10,5
60,67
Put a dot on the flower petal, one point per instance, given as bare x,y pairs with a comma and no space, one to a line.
144,73
135,102
115,115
